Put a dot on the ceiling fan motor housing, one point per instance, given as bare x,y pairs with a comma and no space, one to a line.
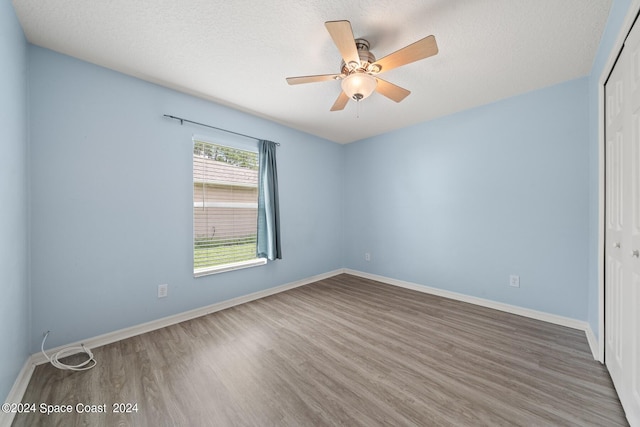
366,59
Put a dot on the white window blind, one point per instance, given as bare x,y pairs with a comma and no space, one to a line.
225,207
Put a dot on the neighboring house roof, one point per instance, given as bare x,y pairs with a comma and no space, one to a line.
209,171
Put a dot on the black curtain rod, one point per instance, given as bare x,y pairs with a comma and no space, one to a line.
213,127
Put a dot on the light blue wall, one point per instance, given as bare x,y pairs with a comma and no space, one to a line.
14,283
614,23
112,201
462,202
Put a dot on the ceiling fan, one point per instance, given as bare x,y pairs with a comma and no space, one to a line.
359,69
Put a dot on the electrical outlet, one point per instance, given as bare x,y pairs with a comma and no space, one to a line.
367,256
514,280
163,290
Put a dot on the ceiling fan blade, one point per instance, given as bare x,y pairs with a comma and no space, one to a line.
341,102
391,91
312,79
414,52
342,36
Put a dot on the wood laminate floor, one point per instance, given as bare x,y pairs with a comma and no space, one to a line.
341,351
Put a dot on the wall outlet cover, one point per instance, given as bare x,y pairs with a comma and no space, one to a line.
163,290
514,280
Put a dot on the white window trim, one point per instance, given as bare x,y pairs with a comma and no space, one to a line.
229,267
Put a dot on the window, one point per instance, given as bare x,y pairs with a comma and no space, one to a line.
225,208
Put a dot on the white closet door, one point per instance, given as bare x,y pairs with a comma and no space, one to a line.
616,171
632,304
622,253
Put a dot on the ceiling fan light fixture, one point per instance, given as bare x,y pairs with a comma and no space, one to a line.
359,86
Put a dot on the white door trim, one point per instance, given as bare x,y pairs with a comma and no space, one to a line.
632,12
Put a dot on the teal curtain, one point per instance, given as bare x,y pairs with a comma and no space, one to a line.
268,206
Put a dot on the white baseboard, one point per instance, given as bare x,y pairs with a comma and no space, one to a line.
594,344
513,309
17,391
111,337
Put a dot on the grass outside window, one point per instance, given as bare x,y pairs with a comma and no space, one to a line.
227,252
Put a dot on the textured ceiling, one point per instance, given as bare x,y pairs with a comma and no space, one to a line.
239,52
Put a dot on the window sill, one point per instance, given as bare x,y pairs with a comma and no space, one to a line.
229,267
